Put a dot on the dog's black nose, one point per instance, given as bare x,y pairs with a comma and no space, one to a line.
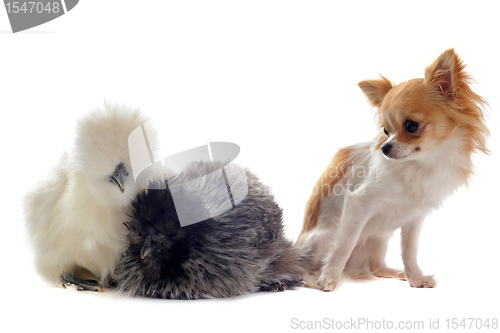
386,148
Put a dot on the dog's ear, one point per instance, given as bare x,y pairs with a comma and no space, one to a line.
376,90
445,73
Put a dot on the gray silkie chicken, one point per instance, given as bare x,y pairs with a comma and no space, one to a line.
243,250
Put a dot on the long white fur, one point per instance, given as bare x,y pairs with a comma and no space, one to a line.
380,196
76,215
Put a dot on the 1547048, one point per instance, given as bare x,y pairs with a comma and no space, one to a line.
32,7
471,323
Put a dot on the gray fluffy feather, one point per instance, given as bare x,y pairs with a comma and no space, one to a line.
240,251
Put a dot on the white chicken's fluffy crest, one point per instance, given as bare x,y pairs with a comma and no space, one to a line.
101,144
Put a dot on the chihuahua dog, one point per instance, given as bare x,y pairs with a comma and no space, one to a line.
429,128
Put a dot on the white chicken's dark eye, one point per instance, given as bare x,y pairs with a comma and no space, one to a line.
411,126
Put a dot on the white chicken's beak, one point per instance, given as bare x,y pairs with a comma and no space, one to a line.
119,177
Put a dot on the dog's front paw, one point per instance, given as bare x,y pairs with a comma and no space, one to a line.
422,281
327,282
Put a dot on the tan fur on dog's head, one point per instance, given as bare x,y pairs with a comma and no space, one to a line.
418,115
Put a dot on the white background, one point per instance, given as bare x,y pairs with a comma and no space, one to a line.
279,79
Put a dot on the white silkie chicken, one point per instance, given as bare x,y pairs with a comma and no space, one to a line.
75,217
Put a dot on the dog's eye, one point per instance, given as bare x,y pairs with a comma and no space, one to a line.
411,126
385,131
